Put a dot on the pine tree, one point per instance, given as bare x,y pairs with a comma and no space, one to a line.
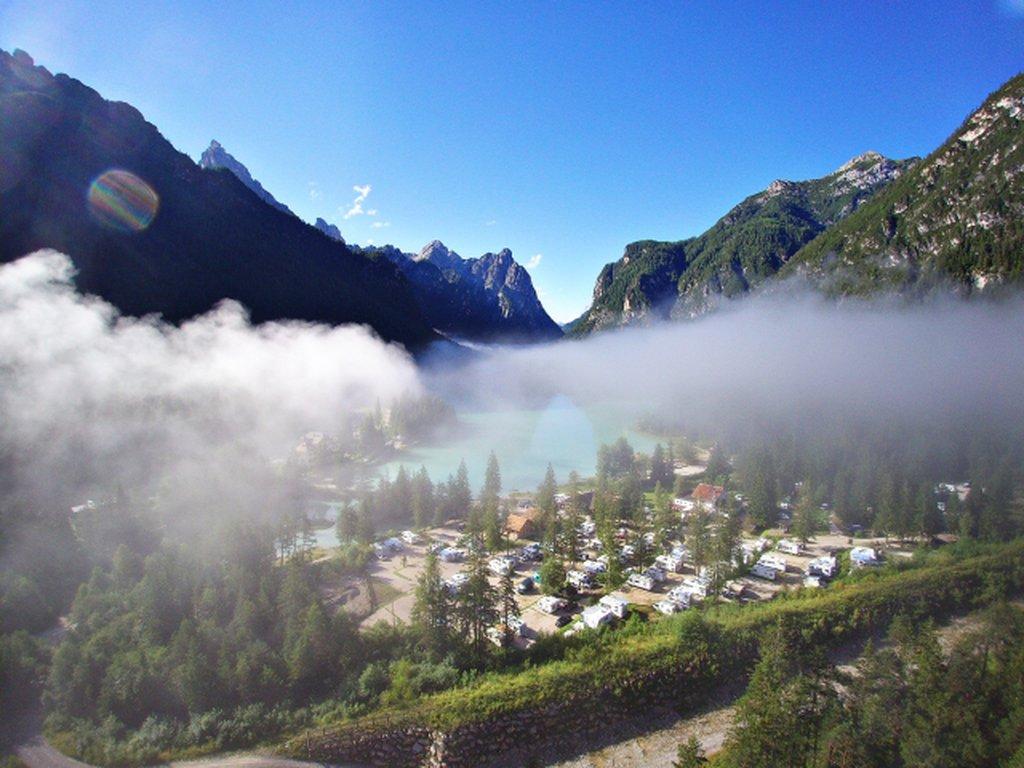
552,575
573,518
724,547
664,518
546,497
489,500
661,472
423,503
460,494
476,608
698,537
929,519
779,719
759,479
401,495
508,608
718,463
432,611
805,515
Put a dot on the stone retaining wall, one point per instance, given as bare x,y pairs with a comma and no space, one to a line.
523,732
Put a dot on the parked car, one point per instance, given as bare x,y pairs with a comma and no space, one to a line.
526,586
561,621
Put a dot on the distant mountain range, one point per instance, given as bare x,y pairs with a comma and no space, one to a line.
490,298
77,173
953,221
153,232
660,280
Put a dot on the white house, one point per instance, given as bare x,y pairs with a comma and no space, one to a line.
826,567
657,574
550,604
617,605
641,581
596,616
410,537
672,563
789,546
763,571
667,607
502,565
863,557
594,567
773,560
452,554
697,585
679,504
579,579
680,595
456,581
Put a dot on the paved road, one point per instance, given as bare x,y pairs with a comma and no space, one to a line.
36,752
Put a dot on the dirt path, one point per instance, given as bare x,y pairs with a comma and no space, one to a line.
657,747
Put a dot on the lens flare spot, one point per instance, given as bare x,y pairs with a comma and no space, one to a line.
121,200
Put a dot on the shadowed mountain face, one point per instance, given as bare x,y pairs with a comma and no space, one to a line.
658,280
486,299
152,232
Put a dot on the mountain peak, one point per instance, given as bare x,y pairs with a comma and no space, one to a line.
216,157
331,230
438,254
865,158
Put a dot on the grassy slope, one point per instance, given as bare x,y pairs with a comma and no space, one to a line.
722,643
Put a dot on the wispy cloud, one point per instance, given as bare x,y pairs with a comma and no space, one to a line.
356,209
380,224
534,261
490,222
314,191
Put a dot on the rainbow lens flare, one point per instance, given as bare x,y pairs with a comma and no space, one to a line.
121,200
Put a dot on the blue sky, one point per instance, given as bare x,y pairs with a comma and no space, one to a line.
561,130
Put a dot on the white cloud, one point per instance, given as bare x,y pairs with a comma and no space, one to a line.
89,396
372,212
356,209
490,222
534,261
380,224
314,191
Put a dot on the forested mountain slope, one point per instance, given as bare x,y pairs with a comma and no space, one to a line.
956,219
152,232
658,280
